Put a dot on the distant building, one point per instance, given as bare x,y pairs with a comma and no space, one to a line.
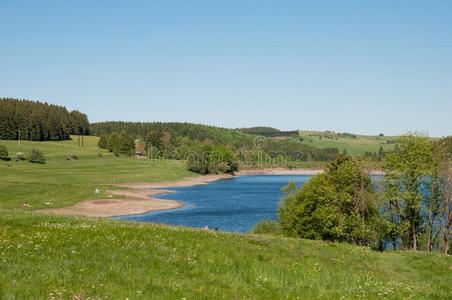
140,147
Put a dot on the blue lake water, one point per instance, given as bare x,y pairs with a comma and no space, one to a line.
235,204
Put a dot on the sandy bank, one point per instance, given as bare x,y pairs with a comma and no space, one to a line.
135,199
281,171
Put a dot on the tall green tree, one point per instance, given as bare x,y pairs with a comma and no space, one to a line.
30,120
406,170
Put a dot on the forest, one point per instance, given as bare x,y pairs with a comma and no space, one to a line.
38,121
207,149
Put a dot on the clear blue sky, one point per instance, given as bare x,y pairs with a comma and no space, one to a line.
356,66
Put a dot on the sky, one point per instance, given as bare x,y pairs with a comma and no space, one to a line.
365,67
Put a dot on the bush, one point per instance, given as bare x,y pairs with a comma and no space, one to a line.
72,157
3,153
267,227
338,205
20,156
35,156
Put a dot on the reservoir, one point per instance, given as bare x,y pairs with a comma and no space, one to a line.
235,204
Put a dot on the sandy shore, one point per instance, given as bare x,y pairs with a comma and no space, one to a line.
136,198
279,171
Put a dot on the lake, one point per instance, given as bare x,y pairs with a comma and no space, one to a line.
235,204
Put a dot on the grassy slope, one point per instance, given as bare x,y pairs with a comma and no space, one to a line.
42,256
354,146
64,182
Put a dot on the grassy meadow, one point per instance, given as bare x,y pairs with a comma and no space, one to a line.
45,257
354,145
61,182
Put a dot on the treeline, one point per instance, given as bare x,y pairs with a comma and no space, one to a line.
176,140
39,121
410,209
269,132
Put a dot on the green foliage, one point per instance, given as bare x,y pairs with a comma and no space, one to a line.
267,227
4,152
407,171
122,143
20,156
36,156
339,205
211,160
176,140
39,121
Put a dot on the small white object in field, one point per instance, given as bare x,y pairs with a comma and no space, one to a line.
97,191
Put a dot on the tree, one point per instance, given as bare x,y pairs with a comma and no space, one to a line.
442,176
39,121
103,142
339,205
406,170
381,153
126,144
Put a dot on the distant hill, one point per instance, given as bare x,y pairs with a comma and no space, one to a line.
188,135
353,144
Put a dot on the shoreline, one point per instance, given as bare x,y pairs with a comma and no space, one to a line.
133,199
137,198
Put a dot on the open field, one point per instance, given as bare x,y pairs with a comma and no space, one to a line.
61,182
354,145
44,257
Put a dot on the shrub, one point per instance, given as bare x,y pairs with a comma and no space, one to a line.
267,227
72,157
4,153
35,156
338,205
20,156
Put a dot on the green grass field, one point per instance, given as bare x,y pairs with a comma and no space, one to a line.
50,257
65,258
61,182
354,146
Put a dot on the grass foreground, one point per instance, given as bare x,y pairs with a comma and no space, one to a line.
69,258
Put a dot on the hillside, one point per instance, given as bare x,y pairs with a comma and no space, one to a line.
180,138
68,258
61,182
353,144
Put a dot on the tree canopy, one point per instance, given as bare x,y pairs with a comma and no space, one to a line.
37,121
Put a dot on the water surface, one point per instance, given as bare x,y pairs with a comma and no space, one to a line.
235,204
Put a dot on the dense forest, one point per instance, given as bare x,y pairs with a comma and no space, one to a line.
39,121
175,139
269,132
